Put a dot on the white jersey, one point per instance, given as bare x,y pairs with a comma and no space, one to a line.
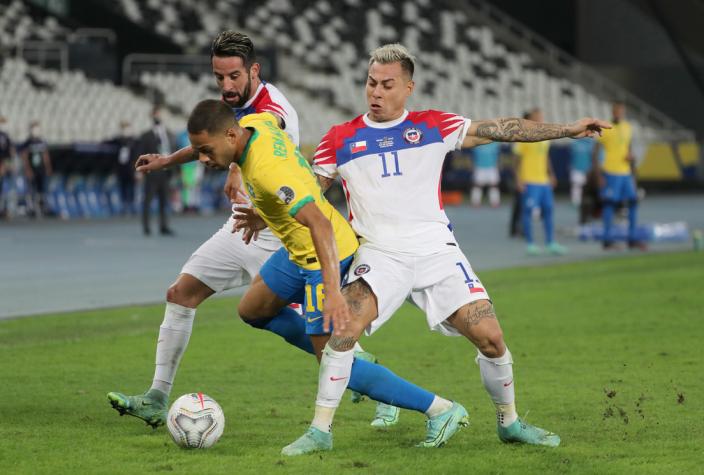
391,175
268,98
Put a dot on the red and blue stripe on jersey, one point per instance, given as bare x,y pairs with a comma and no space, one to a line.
337,145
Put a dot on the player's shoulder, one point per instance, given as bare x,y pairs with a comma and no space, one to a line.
264,118
345,130
434,116
271,99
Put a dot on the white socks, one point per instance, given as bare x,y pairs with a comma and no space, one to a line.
438,406
174,333
334,375
497,376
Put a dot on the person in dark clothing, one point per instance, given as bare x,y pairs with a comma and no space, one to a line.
7,153
156,183
37,165
126,157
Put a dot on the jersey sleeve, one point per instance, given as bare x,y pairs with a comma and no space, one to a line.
324,159
453,128
287,190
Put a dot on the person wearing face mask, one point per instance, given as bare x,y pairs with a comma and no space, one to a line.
156,184
124,168
38,168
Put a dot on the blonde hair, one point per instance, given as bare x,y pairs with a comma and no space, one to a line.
394,53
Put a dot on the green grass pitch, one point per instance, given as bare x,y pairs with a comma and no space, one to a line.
607,353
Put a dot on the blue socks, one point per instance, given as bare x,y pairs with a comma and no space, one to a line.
607,213
632,218
548,223
380,384
289,325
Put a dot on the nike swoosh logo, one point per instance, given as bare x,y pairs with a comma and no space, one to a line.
508,384
333,378
311,320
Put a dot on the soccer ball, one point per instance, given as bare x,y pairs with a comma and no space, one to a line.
195,421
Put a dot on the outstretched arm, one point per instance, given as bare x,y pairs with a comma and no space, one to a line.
513,129
150,162
335,309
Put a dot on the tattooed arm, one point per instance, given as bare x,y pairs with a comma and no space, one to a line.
523,130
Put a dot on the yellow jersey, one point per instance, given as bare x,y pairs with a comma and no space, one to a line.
533,168
617,143
280,181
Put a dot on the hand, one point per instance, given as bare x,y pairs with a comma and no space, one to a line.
587,127
335,311
553,181
248,220
151,162
520,186
601,181
233,183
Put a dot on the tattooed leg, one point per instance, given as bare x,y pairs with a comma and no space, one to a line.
477,322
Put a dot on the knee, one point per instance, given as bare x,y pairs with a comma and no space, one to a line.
250,311
180,295
491,344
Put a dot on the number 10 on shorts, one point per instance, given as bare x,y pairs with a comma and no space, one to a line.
314,303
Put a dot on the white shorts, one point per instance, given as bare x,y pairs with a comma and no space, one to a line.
486,176
224,261
578,178
438,284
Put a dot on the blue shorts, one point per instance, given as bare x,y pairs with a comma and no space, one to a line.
618,188
537,196
292,283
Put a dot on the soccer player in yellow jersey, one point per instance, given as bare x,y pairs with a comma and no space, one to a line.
318,247
535,183
617,178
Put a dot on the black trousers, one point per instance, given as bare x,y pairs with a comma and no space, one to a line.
155,184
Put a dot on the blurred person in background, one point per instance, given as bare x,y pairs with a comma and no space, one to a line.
486,174
617,181
191,178
7,153
37,167
126,156
536,181
580,164
157,182
515,229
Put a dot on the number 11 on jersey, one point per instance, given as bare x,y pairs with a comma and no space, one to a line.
386,169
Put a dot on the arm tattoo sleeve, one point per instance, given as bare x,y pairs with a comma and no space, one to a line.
520,130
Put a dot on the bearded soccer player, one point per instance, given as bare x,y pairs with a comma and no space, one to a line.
224,261
380,156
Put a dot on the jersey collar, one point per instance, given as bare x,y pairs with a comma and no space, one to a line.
384,125
253,98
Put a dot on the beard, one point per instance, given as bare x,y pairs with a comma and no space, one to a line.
237,100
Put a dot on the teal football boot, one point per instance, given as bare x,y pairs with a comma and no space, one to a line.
443,426
151,406
522,432
314,440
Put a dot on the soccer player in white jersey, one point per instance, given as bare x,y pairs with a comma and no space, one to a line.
224,261
390,162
